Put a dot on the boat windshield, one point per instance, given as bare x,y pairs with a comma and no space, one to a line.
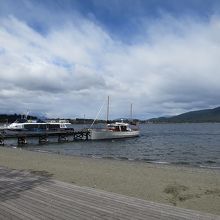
23,120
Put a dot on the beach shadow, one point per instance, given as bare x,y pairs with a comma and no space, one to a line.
13,182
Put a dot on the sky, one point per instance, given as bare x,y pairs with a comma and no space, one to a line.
62,58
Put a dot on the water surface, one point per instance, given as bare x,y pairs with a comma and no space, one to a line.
186,144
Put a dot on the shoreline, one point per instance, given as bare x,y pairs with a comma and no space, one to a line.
147,161
183,186
162,163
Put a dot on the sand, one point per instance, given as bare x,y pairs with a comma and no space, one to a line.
191,188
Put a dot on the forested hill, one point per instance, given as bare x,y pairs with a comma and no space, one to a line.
7,118
206,115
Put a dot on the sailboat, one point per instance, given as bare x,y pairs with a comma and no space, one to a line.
114,130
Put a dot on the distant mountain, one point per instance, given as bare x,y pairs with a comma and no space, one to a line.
201,116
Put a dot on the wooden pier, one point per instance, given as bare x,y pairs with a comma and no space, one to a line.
43,136
33,195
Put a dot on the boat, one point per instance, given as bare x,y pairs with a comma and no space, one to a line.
38,125
116,130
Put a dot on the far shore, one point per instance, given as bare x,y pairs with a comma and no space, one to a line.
191,188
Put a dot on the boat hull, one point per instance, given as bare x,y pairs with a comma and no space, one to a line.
107,134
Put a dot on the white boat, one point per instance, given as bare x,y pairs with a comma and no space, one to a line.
115,130
37,125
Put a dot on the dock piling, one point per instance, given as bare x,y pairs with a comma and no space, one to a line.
43,139
2,142
22,140
43,136
62,138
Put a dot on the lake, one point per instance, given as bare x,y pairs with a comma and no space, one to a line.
183,144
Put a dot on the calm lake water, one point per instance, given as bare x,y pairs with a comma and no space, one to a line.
186,144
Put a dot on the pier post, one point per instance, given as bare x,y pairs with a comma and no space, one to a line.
22,140
2,142
43,139
81,135
87,136
62,138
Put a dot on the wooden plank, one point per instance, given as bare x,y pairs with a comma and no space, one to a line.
63,209
114,207
58,205
7,213
18,212
34,209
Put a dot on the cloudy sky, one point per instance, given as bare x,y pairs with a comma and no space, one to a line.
62,58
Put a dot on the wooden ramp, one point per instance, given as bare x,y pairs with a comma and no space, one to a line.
35,195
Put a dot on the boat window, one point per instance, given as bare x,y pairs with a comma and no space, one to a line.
123,128
31,126
53,126
42,126
117,128
35,126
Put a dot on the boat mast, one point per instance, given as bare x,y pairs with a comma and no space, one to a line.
107,116
131,116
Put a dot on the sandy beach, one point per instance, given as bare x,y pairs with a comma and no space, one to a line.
191,188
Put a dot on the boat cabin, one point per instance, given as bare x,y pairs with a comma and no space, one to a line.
118,126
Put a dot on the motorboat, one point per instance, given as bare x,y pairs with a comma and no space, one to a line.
38,125
115,130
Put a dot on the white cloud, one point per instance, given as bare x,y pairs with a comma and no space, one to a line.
69,71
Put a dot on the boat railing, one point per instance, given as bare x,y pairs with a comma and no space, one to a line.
98,129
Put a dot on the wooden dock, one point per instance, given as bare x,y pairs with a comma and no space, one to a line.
43,136
35,195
